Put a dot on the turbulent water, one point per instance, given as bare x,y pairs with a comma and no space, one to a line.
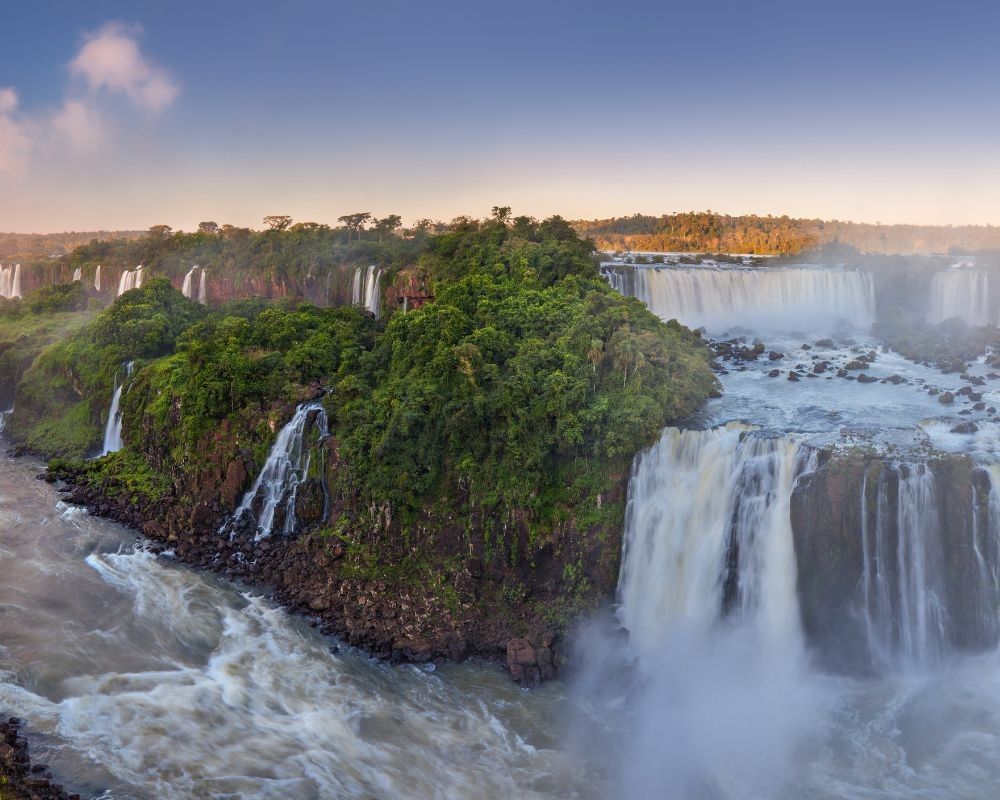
147,680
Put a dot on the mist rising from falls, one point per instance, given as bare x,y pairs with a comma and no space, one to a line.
113,427
285,470
366,289
763,299
960,293
130,279
722,699
10,281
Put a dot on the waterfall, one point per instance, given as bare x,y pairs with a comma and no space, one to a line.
763,299
708,535
130,279
286,469
97,279
905,607
10,281
366,289
77,275
186,289
3,419
113,428
960,293
203,287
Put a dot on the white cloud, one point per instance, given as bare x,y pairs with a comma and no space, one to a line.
81,124
110,60
15,141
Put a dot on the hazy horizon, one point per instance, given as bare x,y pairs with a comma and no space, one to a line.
125,115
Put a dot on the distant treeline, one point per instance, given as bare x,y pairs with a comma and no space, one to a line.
705,231
39,245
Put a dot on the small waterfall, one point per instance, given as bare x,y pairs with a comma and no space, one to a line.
10,281
905,604
366,289
986,550
130,279
97,279
113,428
203,287
708,535
960,293
186,288
3,419
763,299
77,275
285,470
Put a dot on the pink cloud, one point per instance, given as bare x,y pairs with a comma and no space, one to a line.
15,141
111,60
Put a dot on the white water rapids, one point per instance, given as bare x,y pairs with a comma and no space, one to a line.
148,681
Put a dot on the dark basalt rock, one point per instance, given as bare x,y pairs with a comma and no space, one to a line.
863,378
965,427
19,779
947,398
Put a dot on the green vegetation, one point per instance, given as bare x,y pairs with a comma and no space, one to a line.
500,418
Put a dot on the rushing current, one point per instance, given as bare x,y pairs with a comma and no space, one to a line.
130,279
144,680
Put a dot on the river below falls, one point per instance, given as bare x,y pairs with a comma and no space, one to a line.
141,678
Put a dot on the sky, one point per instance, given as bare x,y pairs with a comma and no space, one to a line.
121,115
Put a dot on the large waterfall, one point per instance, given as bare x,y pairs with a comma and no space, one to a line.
113,427
366,289
960,293
286,469
130,279
707,535
10,281
763,299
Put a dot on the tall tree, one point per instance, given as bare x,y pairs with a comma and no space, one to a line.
387,225
355,222
277,222
210,228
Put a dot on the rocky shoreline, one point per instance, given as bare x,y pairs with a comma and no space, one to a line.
19,778
392,624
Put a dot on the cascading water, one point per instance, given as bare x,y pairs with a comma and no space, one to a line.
97,279
707,533
113,427
960,293
905,608
10,281
186,286
765,299
285,470
130,279
366,289
203,287
77,274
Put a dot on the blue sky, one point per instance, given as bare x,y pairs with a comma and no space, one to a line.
116,114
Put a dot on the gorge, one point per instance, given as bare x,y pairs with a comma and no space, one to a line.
795,580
